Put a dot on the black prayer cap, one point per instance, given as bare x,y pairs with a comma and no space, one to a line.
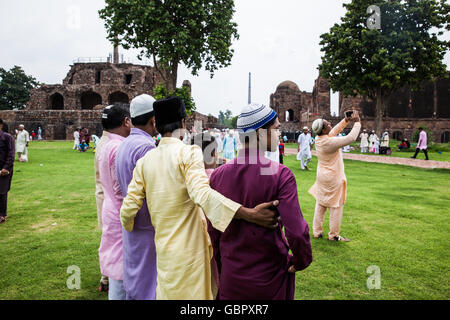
169,110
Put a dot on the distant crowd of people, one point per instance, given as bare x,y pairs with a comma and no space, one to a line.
82,139
371,143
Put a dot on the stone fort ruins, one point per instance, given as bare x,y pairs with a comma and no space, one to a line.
79,101
406,109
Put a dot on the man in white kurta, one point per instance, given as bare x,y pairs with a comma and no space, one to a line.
23,137
385,139
304,148
364,141
372,138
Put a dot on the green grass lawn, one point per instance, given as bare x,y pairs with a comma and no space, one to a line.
437,152
396,217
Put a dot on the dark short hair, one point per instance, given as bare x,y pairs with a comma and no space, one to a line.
115,116
203,140
420,128
169,127
143,119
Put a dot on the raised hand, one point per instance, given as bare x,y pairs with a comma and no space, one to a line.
355,116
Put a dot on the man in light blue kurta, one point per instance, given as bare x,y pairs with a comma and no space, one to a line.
229,147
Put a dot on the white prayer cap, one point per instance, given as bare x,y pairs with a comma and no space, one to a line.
254,116
141,105
305,128
317,126
21,125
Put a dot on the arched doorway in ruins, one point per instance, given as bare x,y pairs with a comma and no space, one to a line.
56,102
289,115
90,99
118,96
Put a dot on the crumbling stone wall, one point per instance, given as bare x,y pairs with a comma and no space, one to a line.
321,97
56,125
89,84
207,121
78,102
431,101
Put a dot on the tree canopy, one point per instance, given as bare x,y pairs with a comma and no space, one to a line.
226,118
15,88
160,92
197,33
406,50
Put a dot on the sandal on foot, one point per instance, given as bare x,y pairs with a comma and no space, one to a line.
340,238
320,236
2,219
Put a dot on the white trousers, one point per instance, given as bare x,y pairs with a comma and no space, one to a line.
305,157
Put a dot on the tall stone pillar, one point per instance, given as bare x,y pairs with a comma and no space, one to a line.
116,55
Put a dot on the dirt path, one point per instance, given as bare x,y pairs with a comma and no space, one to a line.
430,164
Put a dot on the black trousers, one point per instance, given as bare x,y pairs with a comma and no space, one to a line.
424,151
3,204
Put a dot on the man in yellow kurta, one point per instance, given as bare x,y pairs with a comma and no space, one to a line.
330,189
173,180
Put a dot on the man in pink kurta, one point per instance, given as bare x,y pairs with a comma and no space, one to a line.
99,196
330,188
422,144
110,251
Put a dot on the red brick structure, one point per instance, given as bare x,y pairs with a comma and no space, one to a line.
406,111
78,102
296,108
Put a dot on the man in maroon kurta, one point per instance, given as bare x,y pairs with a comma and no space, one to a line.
254,263
6,169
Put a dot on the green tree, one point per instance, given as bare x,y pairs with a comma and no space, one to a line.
234,122
171,32
221,118
226,118
160,92
359,60
15,88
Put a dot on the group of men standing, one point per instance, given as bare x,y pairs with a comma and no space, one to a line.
165,224
371,143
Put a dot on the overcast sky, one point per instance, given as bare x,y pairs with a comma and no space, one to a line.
279,40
